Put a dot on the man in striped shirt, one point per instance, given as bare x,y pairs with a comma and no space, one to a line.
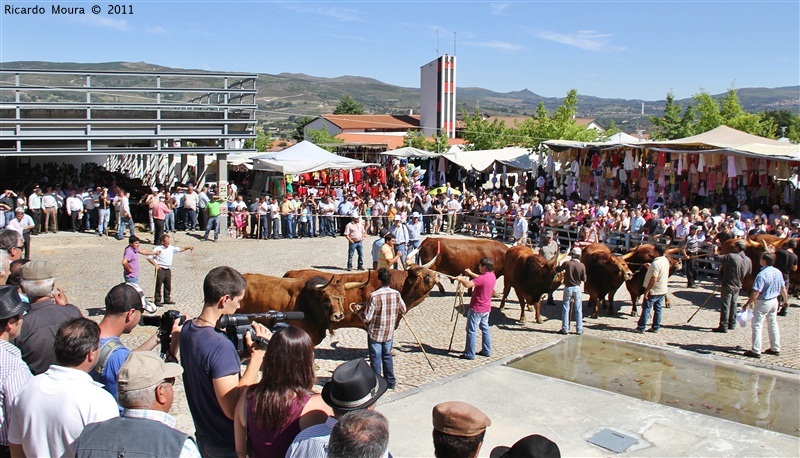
384,308
14,373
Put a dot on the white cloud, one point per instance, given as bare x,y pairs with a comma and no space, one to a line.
499,8
496,45
342,14
156,30
109,23
588,40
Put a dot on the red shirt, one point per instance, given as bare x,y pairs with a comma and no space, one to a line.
481,301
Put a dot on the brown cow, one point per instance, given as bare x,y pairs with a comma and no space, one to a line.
755,246
637,259
604,275
531,276
456,255
321,300
414,285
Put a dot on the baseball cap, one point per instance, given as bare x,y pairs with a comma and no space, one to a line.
415,215
11,304
38,270
458,418
397,218
143,369
576,251
127,296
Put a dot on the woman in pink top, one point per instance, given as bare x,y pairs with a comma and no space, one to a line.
271,413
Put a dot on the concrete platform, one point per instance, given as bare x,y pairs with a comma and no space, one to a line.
521,403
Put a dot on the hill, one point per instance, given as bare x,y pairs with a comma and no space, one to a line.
285,98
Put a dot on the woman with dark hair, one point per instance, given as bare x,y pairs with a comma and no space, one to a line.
271,413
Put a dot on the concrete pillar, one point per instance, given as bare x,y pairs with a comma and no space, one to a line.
183,174
222,183
201,170
170,170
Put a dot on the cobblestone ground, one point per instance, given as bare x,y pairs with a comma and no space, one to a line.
88,266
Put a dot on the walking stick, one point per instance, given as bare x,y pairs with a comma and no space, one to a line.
704,303
457,303
418,342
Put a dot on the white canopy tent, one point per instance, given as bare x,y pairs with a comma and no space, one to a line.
304,157
411,152
483,159
724,139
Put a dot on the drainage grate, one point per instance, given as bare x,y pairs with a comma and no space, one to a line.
612,440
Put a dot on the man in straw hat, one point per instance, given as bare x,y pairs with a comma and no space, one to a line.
146,393
353,386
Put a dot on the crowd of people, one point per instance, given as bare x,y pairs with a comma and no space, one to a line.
72,388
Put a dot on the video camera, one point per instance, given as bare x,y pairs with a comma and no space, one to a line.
236,326
164,324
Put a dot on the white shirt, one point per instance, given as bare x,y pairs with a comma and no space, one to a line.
164,255
51,411
34,202
74,204
49,200
18,225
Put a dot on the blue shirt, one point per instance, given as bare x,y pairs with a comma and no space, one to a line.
768,283
376,248
109,376
637,223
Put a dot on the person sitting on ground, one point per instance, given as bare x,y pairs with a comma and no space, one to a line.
362,434
458,429
146,393
14,373
533,446
272,412
49,309
51,411
353,386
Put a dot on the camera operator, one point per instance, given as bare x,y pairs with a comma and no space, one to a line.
211,364
125,304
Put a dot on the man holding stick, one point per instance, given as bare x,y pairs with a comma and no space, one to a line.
381,314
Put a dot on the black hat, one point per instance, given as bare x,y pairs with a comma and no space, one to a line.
533,446
11,304
353,386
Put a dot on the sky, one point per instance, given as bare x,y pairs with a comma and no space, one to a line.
611,49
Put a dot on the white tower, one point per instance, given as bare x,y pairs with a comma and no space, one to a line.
437,96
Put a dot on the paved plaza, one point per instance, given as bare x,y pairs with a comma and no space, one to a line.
88,266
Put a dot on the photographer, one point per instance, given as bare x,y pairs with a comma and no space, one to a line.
125,304
211,364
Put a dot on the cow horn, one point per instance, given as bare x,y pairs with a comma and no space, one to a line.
412,253
768,247
354,284
326,284
750,242
428,264
628,255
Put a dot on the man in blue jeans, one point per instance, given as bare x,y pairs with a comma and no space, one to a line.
574,275
480,305
655,281
384,308
354,233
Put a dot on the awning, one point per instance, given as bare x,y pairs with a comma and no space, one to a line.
409,151
304,157
483,159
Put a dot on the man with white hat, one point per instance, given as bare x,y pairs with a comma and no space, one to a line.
414,227
548,248
574,275
354,233
400,233
145,428
47,313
